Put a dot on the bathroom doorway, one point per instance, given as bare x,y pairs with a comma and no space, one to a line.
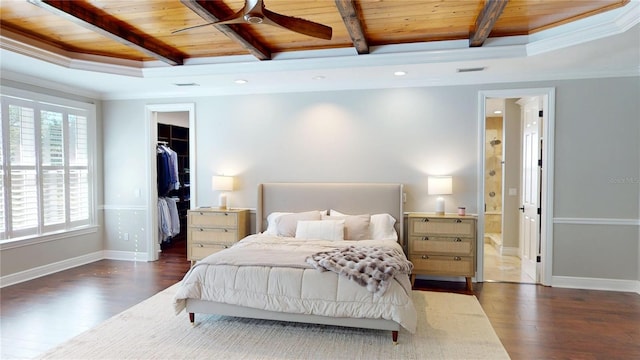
501,242
505,178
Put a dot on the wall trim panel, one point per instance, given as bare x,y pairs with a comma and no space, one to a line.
596,221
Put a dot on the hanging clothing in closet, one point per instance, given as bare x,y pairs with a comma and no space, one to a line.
167,161
168,220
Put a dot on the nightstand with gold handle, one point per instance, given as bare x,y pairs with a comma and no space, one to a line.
210,230
442,245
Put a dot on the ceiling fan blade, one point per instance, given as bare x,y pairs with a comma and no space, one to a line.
237,18
298,25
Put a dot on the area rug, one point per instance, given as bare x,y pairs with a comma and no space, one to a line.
450,326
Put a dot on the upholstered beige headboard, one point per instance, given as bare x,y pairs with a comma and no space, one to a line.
348,198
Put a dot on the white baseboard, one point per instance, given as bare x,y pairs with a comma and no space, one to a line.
48,269
596,284
125,255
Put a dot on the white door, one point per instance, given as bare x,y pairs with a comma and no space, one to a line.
530,217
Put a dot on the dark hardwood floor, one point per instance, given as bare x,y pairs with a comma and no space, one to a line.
533,322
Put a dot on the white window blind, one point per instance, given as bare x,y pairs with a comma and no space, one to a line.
46,172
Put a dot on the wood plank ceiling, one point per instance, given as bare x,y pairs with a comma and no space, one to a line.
142,30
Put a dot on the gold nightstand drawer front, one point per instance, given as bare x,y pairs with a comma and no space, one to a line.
441,245
204,235
213,219
443,265
448,227
201,251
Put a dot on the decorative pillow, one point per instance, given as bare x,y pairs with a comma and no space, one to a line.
320,230
381,226
271,223
356,227
272,228
286,224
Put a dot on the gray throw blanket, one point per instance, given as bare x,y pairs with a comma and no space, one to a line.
371,267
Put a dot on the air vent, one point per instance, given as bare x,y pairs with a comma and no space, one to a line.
464,70
186,84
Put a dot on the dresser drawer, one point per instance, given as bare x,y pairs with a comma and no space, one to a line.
213,219
201,251
212,236
443,265
446,227
441,245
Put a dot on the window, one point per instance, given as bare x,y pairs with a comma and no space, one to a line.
45,165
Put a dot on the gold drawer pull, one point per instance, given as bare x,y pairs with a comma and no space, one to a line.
425,238
226,214
457,258
201,213
225,246
457,240
201,229
425,220
200,245
424,257
458,220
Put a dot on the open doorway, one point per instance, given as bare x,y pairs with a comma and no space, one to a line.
171,125
514,163
503,249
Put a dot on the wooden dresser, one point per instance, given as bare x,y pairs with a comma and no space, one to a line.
443,245
210,230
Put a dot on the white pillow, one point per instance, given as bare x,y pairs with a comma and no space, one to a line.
286,224
272,228
381,226
320,230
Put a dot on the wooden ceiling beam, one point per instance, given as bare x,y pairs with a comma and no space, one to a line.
351,18
210,11
486,20
105,24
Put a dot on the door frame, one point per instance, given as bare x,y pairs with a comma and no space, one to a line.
546,216
151,130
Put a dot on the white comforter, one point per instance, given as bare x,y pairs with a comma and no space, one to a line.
277,278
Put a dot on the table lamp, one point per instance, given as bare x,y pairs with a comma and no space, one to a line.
440,185
222,183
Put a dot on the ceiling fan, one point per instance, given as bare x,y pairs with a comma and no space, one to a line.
254,12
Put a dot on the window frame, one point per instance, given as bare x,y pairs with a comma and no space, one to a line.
68,107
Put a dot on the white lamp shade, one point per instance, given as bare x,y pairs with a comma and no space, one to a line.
440,185
222,183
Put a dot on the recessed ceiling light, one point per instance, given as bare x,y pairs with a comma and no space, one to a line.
241,81
498,112
318,77
400,73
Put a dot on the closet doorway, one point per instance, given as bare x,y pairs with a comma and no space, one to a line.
505,177
170,130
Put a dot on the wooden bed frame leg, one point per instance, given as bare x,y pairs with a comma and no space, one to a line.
192,318
394,336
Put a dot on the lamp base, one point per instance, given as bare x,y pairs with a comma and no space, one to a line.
222,201
440,206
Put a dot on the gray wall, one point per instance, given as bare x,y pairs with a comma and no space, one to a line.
398,135
403,135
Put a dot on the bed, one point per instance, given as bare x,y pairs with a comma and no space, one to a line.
271,275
